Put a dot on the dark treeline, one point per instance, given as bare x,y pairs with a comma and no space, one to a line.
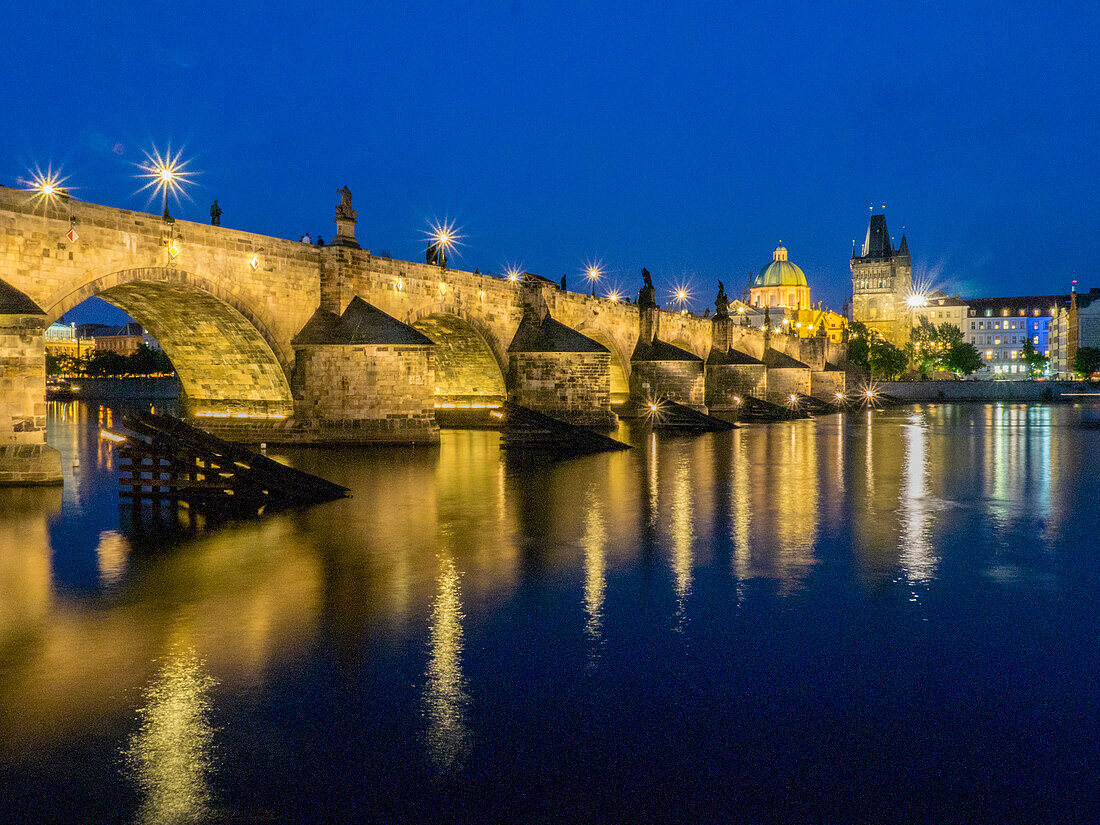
104,363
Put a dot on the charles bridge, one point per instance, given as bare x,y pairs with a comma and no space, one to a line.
283,341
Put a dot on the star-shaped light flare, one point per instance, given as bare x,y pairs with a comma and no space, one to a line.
513,272
681,295
445,235
166,174
46,187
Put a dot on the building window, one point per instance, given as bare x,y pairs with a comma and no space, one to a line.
972,325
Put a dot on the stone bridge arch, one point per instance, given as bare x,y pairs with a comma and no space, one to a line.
229,362
620,360
470,360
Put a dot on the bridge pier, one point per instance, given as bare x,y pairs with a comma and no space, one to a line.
787,376
360,377
662,371
25,457
560,372
731,376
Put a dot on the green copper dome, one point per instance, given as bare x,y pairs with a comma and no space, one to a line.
780,272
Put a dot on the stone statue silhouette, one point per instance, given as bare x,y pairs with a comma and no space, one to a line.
563,283
215,214
722,302
344,210
647,296
432,256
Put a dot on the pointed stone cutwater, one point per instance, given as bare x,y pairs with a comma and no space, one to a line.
363,376
787,377
560,372
658,369
25,458
526,430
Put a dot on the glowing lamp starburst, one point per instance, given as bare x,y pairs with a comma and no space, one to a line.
614,295
593,271
916,301
681,296
166,174
46,186
445,236
513,272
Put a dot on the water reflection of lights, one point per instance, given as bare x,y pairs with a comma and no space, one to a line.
445,695
111,552
796,497
595,568
651,471
170,756
683,530
918,559
742,507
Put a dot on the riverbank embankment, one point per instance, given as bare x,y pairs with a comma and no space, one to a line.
989,390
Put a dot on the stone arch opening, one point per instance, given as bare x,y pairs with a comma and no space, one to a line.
687,346
467,372
620,370
226,366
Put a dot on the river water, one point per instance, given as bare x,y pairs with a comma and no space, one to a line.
867,617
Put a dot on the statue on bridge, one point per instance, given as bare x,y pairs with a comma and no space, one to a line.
344,212
722,303
647,296
215,214
563,283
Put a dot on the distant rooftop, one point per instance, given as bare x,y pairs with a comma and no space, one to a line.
1017,305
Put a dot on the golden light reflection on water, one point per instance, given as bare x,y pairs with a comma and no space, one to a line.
253,597
916,507
170,755
595,568
682,529
445,697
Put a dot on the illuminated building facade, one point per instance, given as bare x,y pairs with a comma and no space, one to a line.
780,284
882,279
1074,326
999,327
781,287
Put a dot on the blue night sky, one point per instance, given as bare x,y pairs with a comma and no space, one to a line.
688,138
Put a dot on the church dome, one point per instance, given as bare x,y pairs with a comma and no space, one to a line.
780,272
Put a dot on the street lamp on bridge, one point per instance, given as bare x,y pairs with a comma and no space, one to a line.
593,271
166,174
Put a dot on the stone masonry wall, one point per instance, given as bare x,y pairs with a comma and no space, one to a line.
573,386
24,456
785,381
827,383
679,381
364,393
727,381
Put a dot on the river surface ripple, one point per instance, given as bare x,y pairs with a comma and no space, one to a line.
866,617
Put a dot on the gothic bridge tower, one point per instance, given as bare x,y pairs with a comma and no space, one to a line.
882,278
